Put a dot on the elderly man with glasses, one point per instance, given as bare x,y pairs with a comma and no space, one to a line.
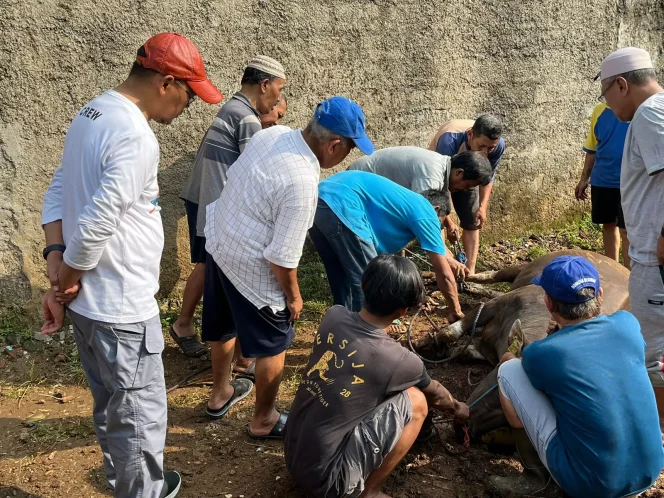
631,90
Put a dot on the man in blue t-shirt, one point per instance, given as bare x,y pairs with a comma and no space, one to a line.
482,135
604,150
361,215
582,396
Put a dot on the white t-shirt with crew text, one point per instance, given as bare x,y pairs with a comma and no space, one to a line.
106,194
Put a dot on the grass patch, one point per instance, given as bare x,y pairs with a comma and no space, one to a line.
190,399
583,234
16,322
50,434
536,252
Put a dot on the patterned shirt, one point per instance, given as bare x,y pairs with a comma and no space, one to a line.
226,138
264,213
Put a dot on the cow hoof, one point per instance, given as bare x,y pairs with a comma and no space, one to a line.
451,333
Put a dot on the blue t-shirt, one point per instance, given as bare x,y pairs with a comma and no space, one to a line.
450,142
606,139
382,212
608,441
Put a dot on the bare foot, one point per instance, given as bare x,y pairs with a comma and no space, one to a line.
265,426
184,331
219,399
242,364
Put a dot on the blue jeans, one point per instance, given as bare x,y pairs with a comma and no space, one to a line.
344,254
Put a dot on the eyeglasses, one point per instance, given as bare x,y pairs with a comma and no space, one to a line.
602,97
190,96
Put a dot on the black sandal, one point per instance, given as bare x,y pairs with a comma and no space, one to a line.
247,373
277,431
241,389
189,345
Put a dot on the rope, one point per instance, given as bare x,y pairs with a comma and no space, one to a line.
445,360
491,389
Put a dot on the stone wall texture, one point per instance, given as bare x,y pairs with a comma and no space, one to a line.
411,65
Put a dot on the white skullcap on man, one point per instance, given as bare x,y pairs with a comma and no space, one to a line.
623,61
267,65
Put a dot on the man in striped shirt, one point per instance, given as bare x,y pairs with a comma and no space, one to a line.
232,128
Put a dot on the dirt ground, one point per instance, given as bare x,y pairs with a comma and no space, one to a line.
48,446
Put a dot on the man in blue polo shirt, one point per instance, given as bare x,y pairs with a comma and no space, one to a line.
582,397
481,135
361,215
604,150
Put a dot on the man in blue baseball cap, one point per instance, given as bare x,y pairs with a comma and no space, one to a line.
254,234
580,403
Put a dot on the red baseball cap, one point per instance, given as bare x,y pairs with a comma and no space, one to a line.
174,55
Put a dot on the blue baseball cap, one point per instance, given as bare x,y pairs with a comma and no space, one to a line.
344,117
565,276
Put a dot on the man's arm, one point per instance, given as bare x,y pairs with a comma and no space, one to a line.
440,398
581,190
287,278
446,284
485,195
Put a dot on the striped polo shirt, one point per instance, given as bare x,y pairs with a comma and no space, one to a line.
226,138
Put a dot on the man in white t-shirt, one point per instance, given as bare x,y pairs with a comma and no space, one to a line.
104,240
254,234
631,90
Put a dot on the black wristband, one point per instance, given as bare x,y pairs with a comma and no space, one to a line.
53,247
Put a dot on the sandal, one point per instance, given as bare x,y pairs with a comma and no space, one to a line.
247,373
189,345
241,389
277,431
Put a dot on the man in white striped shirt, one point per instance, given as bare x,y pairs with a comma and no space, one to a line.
255,233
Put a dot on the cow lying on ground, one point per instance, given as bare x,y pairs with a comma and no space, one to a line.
523,302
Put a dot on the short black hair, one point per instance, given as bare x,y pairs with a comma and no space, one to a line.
475,166
488,125
253,76
139,71
438,198
391,282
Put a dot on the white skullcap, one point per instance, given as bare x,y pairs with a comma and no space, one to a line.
623,61
267,65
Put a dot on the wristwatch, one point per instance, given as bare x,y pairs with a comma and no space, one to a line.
53,247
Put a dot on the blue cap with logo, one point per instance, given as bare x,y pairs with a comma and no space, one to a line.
565,276
344,117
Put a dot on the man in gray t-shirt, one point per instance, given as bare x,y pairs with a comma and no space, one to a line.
631,90
236,122
363,397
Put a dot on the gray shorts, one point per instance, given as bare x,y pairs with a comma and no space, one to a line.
532,406
368,445
646,296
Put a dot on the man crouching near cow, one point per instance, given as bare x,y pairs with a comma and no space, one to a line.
364,397
579,401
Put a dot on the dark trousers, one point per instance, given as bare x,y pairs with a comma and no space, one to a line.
344,254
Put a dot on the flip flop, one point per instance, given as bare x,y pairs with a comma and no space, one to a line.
247,373
241,389
189,345
277,431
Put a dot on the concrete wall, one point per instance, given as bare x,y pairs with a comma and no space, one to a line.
411,65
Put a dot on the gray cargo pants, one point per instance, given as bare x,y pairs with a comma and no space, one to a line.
126,376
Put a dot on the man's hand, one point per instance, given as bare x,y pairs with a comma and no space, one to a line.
68,295
54,312
480,217
461,411
295,307
460,271
660,250
452,230
454,316
581,190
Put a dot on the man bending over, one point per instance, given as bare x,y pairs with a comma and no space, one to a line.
363,398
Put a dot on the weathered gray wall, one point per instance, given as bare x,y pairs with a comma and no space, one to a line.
411,65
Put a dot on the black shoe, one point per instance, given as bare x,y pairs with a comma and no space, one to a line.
172,482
